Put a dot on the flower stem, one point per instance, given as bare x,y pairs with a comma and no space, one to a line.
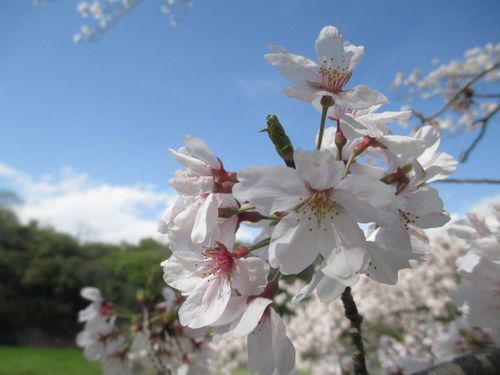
322,125
351,313
326,102
259,244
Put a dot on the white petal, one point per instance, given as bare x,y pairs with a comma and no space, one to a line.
309,288
260,349
354,128
422,202
349,255
200,150
197,166
329,44
294,243
182,270
329,289
251,317
206,218
366,199
283,350
319,169
359,97
91,294
295,68
206,303
270,189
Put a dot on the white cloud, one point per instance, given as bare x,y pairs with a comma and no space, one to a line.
92,211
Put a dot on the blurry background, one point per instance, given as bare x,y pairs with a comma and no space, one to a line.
85,126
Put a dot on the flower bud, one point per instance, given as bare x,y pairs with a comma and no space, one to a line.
281,142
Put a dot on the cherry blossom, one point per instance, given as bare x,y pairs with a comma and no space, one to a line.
337,61
209,281
323,209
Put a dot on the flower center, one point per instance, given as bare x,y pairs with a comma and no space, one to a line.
333,78
319,207
218,261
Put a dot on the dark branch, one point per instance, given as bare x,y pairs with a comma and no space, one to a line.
483,125
351,313
469,181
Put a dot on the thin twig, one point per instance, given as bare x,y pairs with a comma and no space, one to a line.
486,95
484,123
491,181
455,97
358,351
157,362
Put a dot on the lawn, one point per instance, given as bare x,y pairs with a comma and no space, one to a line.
15,360
45,361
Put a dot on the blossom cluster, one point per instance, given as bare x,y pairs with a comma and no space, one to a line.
419,323
150,340
468,87
101,15
312,211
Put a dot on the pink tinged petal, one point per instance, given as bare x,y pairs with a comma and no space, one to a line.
270,352
206,303
329,44
330,289
295,68
251,317
256,276
200,150
235,308
181,226
197,166
205,221
283,350
183,270
270,189
225,231
294,242
359,97
366,199
192,185
260,349
319,169
91,294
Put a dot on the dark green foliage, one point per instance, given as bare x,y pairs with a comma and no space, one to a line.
42,272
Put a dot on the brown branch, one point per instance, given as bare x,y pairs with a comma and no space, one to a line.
491,181
484,123
485,362
358,351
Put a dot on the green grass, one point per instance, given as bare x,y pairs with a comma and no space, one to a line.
17,360
45,361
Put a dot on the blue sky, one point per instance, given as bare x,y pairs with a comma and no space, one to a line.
111,109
